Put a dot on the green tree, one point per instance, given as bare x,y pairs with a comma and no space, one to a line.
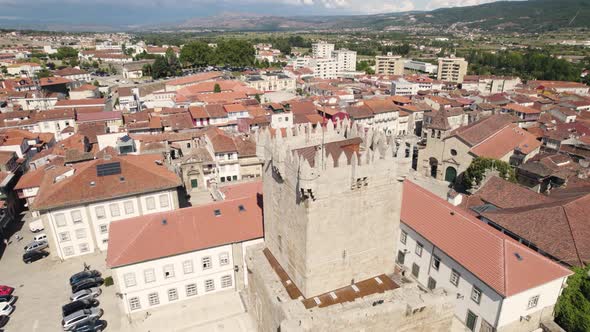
196,54
66,53
216,88
365,66
235,52
95,83
257,97
160,68
146,70
476,171
44,73
572,311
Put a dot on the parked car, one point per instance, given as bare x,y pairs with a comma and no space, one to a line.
6,290
9,300
3,320
84,275
72,307
34,255
84,294
80,318
40,237
6,309
35,245
92,326
87,283
36,226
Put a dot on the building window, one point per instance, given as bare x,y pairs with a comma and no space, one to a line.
64,236
453,152
172,294
80,233
84,247
419,248
150,202
401,257
153,299
76,216
533,301
169,271
209,285
68,251
134,303
223,259
431,283
149,275
435,262
476,295
104,228
187,267
226,281
206,262
129,279
415,270
114,210
60,219
163,201
235,178
99,211
191,289
128,207
403,237
105,241
455,276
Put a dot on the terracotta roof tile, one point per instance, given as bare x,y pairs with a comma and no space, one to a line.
505,141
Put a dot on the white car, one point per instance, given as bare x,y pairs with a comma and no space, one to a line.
81,317
36,245
36,226
40,237
5,309
84,294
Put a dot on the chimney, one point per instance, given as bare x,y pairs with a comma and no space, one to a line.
454,197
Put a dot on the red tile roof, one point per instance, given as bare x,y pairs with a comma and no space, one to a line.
80,102
195,78
505,141
485,252
522,109
184,230
140,172
99,116
477,132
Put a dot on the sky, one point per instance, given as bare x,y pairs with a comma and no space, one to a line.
140,12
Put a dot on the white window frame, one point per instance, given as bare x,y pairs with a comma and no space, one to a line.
191,290
455,278
149,275
129,279
476,295
134,303
168,270
153,299
68,251
172,294
226,281
76,216
206,262
114,210
209,285
84,247
60,219
100,215
419,249
80,233
533,302
150,203
187,266
435,262
103,228
63,238
164,201
403,237
128,207
223,259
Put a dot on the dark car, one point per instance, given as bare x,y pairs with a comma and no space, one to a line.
72,307
92,326
3,320
87,283
83,275
8,298
35,255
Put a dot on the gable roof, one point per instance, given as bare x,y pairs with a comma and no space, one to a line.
483,251
506,140
140,172
184,230
478,131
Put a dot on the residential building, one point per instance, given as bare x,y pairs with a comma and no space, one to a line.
345,60
452,69
26,69
200,251
324,67
271,81
501,285
389,64
77,203
422,67
322,50
489,85
74,74
134,70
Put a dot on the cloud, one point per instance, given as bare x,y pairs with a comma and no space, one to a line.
434,4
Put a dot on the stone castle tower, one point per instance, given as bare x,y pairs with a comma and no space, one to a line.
332,201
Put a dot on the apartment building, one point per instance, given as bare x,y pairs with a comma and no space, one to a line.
77,203
201,251
322,49
324,67
345,60
452,69
271,81
488,85
420,66
389,64
501,285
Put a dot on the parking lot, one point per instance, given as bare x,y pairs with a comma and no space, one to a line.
42,288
